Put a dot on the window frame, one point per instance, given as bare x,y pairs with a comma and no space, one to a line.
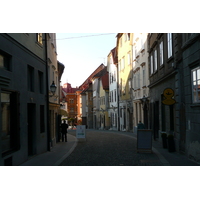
161,51
39,38
6,61
169,45
151,63
31,78
155,60
195,99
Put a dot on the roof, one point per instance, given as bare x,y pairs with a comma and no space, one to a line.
89,79
68,89
101,73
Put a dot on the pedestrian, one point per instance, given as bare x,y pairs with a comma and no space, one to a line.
140,125
64,128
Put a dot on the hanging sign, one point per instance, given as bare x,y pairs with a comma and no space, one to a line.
168,94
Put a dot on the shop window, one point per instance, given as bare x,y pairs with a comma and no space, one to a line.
10,121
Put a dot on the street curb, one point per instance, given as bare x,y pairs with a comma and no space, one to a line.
67,154
161,157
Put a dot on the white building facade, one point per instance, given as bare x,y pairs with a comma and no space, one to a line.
113,93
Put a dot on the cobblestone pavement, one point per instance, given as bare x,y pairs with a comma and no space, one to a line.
105,148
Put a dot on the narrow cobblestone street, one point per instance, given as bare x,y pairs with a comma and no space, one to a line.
105,148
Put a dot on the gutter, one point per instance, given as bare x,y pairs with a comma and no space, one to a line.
47,97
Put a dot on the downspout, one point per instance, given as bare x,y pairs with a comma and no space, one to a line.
47,96
118,93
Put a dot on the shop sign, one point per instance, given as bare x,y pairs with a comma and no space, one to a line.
168,97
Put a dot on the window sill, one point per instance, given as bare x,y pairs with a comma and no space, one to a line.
170,59
142,50
39,44
162,66
195,105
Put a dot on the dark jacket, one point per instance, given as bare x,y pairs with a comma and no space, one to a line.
64,128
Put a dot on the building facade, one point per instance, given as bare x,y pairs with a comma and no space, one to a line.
123,50
54,99
188,90
71,100
140,79
23,117
113,90
162,74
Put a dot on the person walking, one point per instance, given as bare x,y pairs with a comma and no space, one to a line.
64,128
140,125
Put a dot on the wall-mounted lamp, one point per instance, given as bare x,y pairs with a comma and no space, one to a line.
102,109
53,88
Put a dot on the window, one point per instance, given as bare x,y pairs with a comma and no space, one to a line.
155,60
114,76
71,101
30,79
138,79
42,119
136,51
111,61
129,58
123,63
39,38
129,83
120,41
144,77
151,61
142,42
196,85
4,61
10,121
41,82
169,44
125,37
119,65
161,53
115,95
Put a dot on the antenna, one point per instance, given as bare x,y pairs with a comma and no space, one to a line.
103,59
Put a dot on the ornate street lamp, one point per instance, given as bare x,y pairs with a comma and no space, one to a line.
53,88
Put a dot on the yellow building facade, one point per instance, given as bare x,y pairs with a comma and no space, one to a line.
124,50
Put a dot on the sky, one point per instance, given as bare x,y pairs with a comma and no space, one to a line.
82,53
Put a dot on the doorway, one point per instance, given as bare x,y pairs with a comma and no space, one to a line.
156,119
31,112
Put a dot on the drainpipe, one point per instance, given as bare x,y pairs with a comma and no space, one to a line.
47,96
118,93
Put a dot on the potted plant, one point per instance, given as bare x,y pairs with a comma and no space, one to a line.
171,144
164,140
